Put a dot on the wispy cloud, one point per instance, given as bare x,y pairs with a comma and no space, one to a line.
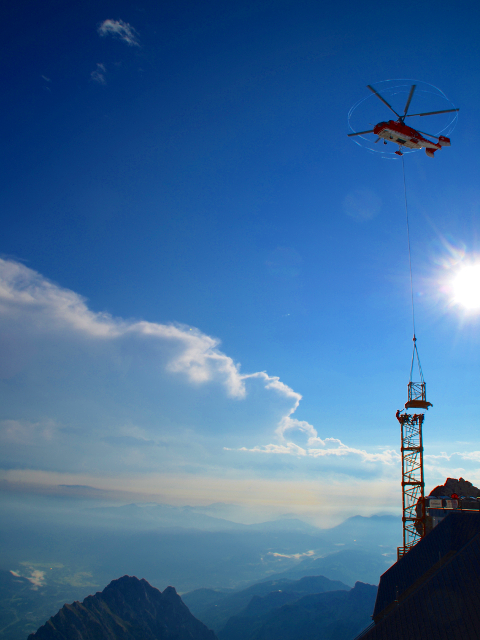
37,578
288,448
362,204
463,455
332,447
98,74
119,30
295,556
19,431
315,446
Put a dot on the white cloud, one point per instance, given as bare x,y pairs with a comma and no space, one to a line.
387,456
469,455
120,30
463,455
289,448
37,578
84,391
98,75
315,447
456,464
440,456
288,423
25,296
295,556
331,447
100,389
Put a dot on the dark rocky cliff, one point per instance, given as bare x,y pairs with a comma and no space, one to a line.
127,609
461,487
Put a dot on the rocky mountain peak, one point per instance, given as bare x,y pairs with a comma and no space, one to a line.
461,487
127,609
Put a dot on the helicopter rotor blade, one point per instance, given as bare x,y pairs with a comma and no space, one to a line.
359,133
382,99
409,99
432,113
427,134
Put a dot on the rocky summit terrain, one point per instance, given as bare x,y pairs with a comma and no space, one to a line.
127,609
461,487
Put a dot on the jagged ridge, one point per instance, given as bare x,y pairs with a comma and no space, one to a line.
461,487
127,609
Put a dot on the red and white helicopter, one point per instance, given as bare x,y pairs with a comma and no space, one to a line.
398,132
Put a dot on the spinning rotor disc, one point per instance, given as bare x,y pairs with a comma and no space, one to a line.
398,98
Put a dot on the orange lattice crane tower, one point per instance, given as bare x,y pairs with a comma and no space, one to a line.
413,485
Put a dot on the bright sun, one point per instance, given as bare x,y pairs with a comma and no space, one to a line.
466,287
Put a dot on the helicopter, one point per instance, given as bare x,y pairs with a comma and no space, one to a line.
398,132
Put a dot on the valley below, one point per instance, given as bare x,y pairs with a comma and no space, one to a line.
211,562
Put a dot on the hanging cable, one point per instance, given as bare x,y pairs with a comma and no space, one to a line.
409,250
415,351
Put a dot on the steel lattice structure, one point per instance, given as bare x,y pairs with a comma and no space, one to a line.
413,495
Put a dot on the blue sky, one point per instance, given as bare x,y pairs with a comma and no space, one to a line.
204,283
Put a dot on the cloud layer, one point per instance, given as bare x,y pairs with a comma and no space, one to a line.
95,390
85,395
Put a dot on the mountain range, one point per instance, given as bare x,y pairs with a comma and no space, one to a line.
312,608
215,608
332,615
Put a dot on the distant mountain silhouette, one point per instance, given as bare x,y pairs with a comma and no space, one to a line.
214,608
332,615
127,609
345,566
136,517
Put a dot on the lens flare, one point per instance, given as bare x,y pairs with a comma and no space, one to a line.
466,287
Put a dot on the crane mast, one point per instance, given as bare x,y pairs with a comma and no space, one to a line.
413,483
